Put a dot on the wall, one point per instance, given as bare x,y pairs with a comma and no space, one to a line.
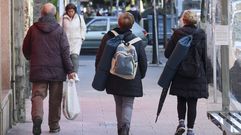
5,41
0,59
20,77
5,69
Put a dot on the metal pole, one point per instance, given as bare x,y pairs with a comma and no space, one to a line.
164,23
155,59
172,12
117,4
214,52
225,60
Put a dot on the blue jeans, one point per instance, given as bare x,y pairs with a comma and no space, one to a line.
124,107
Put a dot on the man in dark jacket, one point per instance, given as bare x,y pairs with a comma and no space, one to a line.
188,90
124,90
46,47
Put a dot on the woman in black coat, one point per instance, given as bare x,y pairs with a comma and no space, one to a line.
124,90
188,90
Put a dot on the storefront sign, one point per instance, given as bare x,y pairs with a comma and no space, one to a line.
222,36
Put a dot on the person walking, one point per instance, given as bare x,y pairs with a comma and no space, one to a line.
135,13
189,89
47,49
124,90
75,28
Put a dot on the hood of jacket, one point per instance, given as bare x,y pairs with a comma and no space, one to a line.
47,24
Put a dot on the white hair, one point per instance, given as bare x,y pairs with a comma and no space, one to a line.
48,8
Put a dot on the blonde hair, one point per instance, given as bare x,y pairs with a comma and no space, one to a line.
128,20
189,17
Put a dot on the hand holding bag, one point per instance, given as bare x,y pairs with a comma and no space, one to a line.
71,106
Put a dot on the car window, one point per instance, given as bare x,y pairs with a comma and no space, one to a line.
98,25
113,23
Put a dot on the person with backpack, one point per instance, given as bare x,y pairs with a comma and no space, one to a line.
191,79
75,28
124,82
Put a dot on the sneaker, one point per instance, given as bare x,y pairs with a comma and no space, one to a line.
37,126
180,128
190,132
55,130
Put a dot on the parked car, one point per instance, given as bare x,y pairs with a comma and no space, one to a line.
99,26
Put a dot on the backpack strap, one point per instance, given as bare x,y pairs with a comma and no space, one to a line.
114,32
135,40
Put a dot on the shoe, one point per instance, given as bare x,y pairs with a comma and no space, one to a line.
190,132
119,131
55,130
180,128
37,126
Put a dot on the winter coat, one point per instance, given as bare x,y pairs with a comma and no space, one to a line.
119,86
184,86
46,47
75,30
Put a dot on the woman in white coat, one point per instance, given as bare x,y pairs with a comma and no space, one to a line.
75,28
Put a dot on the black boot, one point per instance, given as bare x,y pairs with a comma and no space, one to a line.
119,131
125,130
37,126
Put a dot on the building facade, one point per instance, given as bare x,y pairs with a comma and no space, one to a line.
13,79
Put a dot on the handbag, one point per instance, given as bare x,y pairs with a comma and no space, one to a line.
71,106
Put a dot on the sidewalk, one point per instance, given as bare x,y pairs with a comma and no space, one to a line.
98,112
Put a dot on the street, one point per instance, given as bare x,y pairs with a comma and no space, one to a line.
97,115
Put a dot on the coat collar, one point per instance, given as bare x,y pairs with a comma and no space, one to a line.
190,25
67,17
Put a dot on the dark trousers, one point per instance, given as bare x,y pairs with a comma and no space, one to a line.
39,93
124,108
189,105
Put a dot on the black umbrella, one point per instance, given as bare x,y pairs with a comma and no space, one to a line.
161,102
171,66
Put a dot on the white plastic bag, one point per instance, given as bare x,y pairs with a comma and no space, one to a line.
71,106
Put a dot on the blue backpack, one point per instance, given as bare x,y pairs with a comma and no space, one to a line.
125,60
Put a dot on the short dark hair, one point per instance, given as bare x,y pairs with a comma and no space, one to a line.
70,6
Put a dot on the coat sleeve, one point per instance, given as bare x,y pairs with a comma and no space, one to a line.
27,45
82,27
64,45
142,60
171,45
101,49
